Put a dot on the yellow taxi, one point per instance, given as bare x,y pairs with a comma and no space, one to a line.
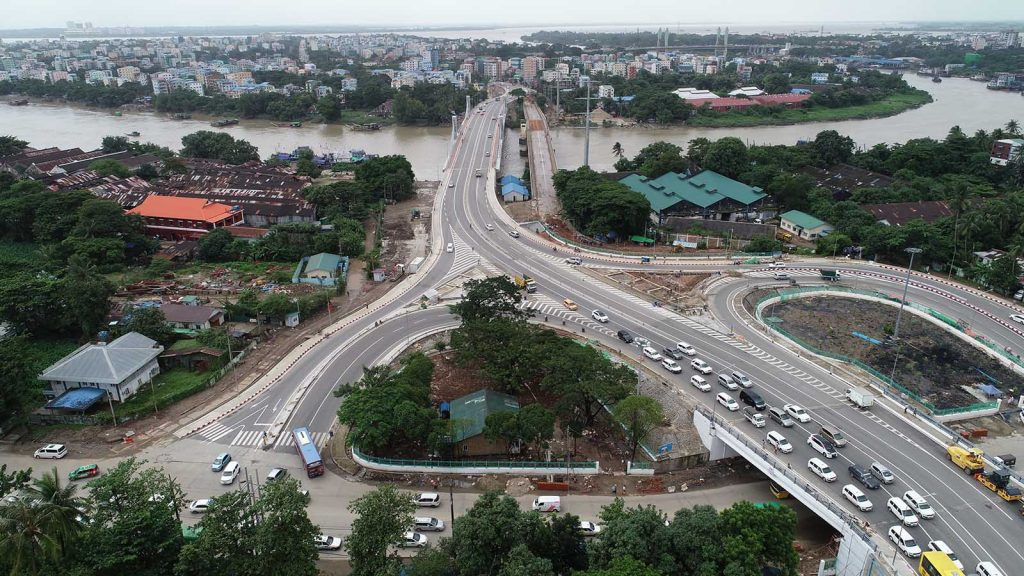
569,304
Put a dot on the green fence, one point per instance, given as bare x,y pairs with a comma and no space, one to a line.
738,253
442,464
791,293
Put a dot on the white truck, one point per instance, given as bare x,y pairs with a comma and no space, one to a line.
860,397
754,417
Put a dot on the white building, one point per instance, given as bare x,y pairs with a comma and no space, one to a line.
606,91
121,367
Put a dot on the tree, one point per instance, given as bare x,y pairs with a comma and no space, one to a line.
284,536
1013,128
228,541
659,158
790,191
698,150
755,537
617,151
388,177
39,526
15,480
776,84
727,156
218,146
126,502
306,167
833,148
639,415
329,108
480,538
150,322
87,294
696,539
521,562
381,518
833,244
639,533
112,144
110,168
11,145
489,300
215,245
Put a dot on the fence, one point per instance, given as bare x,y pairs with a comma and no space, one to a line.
663,254
791,293
457,466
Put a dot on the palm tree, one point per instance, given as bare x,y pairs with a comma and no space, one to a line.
59,507
617,150
25,544
958,203
1013,127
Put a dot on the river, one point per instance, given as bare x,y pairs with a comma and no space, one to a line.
957,102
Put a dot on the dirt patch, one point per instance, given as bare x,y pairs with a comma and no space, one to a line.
932,363
674,289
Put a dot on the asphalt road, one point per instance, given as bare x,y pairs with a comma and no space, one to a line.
970,519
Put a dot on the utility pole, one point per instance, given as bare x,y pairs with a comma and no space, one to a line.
906,287
586,137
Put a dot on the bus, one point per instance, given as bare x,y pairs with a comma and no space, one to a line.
937,564
306,448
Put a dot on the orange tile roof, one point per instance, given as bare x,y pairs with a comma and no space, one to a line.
155,206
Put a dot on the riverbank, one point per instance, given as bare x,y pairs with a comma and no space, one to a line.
891,106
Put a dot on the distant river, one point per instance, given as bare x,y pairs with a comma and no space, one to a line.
957,102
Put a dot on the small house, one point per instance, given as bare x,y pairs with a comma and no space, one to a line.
119,368
323,269
469,416
804,225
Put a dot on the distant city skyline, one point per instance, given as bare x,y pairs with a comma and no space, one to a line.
539,13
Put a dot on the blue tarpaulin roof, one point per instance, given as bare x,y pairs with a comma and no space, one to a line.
77,399
990,390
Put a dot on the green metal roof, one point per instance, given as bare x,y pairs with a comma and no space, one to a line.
323,261
704,189
471,411
803,220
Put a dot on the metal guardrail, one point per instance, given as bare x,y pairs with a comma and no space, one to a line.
788,472
442,464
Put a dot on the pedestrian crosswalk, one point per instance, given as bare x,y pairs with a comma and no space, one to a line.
545,307
241,436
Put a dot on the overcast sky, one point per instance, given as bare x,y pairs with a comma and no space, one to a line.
548,13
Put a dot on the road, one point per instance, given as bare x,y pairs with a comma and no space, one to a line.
970,519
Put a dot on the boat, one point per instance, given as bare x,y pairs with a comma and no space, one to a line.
134,134
224,122
288,124
979,78
936,79
182,116
362,127
18,102
117,113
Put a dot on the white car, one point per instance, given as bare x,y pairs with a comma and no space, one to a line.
651,353
1018,318
821,470
449,248
641,341
429,499
700,383
940,546
230,472
671,365
589,528
727,401
742,379
779,442
857,498
325,542
700,366
489,227
513,233
774,265
413,540
797,413
904,541
599,316
686,349
200,506
451,184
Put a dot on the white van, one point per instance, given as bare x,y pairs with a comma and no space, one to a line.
902,512
821,470
918,504
987,569
51,451
547,504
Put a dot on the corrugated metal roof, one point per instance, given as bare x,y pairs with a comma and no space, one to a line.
109,364
803,220
472,410
704,189
323,261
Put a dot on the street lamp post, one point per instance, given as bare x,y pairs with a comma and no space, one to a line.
586,135
906,287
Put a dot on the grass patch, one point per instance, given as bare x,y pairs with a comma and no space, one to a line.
167,388
889,106
240,267
41,353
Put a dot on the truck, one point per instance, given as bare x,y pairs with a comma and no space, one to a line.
527,283
860,397
830,275
754,417
998,481
970,460
414,266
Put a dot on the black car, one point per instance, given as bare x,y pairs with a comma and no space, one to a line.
861,474
625,337
753,398
673,353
